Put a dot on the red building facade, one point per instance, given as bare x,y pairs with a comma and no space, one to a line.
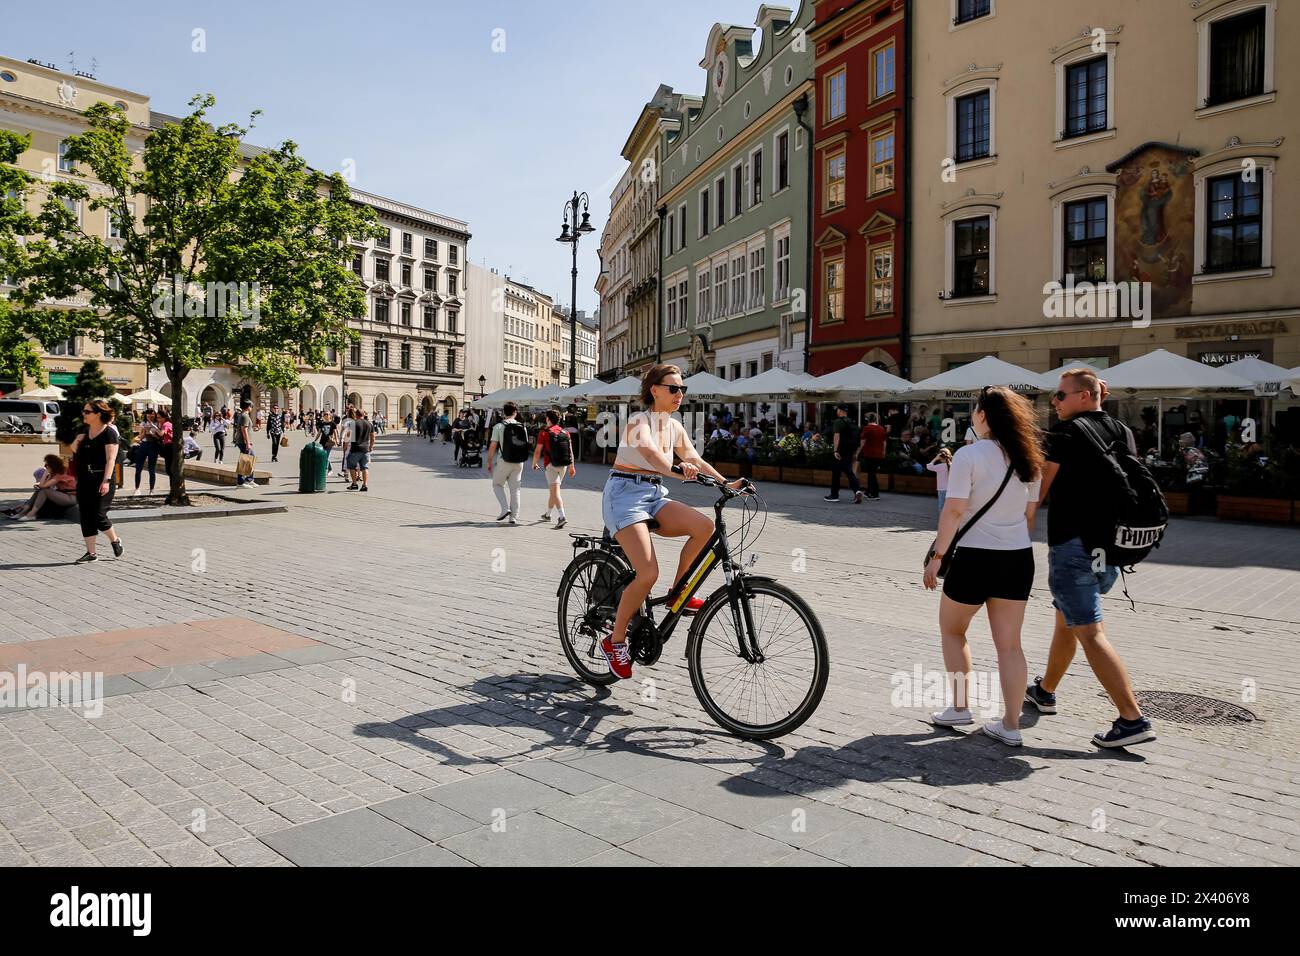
859,190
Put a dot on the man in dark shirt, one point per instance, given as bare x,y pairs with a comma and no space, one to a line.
244,437
363,442
275,430
1077,571
845,443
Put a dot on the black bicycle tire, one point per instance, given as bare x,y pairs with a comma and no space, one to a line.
566,588
717,603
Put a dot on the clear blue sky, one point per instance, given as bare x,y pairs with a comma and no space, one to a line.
415,94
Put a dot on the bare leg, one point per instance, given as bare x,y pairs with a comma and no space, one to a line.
1060,656
1006,619
1109,669
678,520
954,619
637,546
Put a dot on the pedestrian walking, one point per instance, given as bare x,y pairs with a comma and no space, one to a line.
941,466
1075,473
327,435
989,558
244,438
871,453
95,452
554,451
150,433
361,444
275,430
844,446
219,427
510,437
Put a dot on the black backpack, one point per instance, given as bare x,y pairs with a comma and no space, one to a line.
514,442
1134,510
561,449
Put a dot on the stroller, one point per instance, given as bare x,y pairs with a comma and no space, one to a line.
471,450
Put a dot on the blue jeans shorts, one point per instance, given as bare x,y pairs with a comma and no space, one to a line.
1076,587
627,501
358,461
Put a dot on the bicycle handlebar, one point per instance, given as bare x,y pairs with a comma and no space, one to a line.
714,483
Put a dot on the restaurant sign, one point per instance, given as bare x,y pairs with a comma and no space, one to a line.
1223,330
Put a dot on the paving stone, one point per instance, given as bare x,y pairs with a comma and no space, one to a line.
703,838
493,796
615,813
429,819
528,839
355,838
425,856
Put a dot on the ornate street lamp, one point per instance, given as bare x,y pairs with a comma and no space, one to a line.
572,236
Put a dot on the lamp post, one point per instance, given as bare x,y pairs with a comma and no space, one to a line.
572,237
482,384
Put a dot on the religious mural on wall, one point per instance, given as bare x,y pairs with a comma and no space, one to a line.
1155,226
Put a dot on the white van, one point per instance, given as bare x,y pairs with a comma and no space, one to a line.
36,416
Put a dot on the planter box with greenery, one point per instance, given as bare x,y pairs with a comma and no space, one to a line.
914,484
1239,508
796,475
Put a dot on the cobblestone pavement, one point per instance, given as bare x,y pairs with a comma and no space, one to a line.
443,726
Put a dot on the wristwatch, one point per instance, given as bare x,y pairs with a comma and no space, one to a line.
930,555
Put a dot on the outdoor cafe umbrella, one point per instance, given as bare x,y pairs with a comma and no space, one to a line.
625,388
148,396
496,399
975,375
775,383
48,393
1160,374
857,381
705,386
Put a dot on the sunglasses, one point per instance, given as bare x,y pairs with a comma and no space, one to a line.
674,389
1062,396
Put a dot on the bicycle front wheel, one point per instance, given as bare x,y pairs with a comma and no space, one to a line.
772,697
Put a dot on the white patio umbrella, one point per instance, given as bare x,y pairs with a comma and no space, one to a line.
495,399
578,392
859,381
148,396
975,375
49,393
706,387
775,383
1161,374
625,388
1264,378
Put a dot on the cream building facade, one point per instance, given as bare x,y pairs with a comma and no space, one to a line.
1149,143
524,310
615,279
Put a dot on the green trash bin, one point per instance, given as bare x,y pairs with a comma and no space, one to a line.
313,462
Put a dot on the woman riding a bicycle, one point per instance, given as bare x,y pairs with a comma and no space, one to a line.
635,496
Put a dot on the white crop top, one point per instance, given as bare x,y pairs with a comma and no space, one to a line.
669,434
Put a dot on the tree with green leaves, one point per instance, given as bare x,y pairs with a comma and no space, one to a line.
19,355
91,383
222,258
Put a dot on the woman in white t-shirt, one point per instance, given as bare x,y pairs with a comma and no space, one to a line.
993,566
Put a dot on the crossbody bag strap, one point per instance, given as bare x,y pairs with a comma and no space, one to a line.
1006,480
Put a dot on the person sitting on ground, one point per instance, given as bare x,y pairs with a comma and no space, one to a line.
192,449
56,486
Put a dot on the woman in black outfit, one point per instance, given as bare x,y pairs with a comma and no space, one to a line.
95,449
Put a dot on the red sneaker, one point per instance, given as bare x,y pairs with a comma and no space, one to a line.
620,661
693,605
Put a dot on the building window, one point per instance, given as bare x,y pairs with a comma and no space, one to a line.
782,160
735,371
428,317
431,249
757,276
672,231
1085,97
381,269
882,162
65,164
781,290
385,240
720,198
357,262
682,303
720,290
836,94
973,126
670,307
451,360
381,311
381,354
117,225
429,358
756,177
738,282
882,280
354,354
1236,57
407,239
453,254
453,283
406,355
968,10
704,306
738,189
882,71
681,226
1085,240
67,347
451,322
406,313
833,289
971,257
430,280
406,274
834,193
1235,224
704,213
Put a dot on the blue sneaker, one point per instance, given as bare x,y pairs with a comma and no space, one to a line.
1125,733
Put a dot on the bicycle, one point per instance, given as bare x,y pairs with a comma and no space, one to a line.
738,646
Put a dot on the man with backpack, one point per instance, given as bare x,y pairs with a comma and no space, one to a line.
554,450
510,437
1106,512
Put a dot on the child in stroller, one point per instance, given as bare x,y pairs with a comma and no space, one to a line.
471,450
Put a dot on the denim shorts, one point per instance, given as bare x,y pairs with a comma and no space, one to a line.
1076,587
358,460
627,501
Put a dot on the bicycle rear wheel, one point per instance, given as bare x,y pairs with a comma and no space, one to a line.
759,701
589,596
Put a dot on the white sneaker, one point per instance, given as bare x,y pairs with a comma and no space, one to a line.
952,717
995,730
512,519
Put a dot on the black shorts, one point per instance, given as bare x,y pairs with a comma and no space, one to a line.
977,574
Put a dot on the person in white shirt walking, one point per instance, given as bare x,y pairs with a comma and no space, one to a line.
992,497
510,438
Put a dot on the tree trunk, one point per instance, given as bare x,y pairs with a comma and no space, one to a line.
176,455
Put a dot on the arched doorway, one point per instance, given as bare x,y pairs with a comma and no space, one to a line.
879,358
215,396
330,400
381,405
407,407
426,405
450,405
306,399
174,408
354,399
